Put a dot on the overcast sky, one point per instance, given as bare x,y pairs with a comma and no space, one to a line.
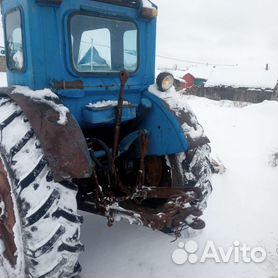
219,31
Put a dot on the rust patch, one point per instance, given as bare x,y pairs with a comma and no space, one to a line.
69,85
154,170
7,217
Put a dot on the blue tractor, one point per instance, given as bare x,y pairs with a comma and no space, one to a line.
81,127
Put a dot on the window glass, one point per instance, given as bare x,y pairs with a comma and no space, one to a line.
14,44
130,50
103,44
95,51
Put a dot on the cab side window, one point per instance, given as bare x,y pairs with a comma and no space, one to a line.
14,41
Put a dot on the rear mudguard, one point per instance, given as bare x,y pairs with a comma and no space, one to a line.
172,129
64,145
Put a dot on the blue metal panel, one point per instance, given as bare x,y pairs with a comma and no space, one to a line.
107,115
76,101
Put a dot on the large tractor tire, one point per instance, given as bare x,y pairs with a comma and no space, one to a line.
39,224
194,169
191,169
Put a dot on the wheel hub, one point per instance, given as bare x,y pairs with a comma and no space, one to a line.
7,217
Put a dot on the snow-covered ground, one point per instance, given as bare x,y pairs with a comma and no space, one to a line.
243,206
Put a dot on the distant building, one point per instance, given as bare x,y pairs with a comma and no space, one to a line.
189,80
193,81
238,83
250,84
193,77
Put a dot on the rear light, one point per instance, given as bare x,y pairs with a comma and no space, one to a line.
149,10
149,13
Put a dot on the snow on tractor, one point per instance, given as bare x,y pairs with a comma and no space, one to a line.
81,128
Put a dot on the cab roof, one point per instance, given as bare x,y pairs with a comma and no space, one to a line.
127,3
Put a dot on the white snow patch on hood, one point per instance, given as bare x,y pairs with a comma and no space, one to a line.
41,96
105,103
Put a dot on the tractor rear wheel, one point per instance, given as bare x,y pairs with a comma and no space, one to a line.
192,169
39,224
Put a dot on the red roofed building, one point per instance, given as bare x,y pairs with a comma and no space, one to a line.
189,80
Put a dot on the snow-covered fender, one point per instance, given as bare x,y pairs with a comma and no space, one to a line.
61,139
166,136
192,130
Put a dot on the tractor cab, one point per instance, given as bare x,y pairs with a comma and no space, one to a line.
50,43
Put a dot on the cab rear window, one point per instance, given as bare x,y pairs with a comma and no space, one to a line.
103,45
14,41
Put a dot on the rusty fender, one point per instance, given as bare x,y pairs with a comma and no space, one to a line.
64,146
